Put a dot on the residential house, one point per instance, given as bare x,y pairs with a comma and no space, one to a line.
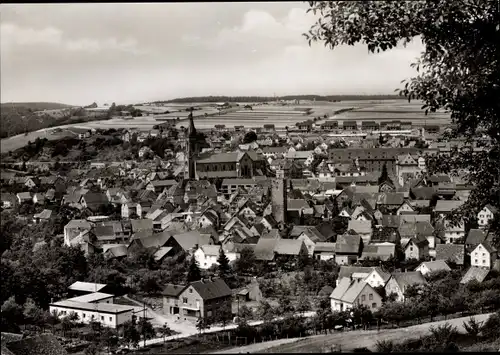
348,249
416,248
363,228
407,207
451,253
475,273
207,255
400,281
160,185
189,241
198,299
8,200
354,272
23,197
382,251
389,202
432,266
484,255
43,216
486,215
377,277
445,207
474,238
309,235
94,201
74,228
324,251
350,293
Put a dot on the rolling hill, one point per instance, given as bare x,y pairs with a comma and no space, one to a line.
22,117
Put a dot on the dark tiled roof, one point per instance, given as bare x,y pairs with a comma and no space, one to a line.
348,244
173,290
475,273
210,289
475,237
453,252
404,279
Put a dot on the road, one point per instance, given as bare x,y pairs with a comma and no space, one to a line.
347,341
186,329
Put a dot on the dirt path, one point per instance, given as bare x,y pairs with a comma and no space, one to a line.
348,340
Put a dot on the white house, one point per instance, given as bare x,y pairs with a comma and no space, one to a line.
109,315
486,215
432,266
377,277
484,255
354,292
207,255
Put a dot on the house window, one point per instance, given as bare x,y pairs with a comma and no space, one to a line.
475,261
83,315
475,254
484,254
102,317
411,248
484,261
363,298
370,296
374,305
209,313
110,319
184,300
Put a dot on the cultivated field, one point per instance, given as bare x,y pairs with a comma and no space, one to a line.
279,115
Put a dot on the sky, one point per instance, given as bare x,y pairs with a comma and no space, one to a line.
124,53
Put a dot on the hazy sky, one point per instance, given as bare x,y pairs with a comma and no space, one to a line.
80,53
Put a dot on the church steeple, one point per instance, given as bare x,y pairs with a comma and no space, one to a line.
191,147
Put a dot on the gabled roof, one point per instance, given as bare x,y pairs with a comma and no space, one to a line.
173,290
141,224
212,250
297,204
160,253
322,247
489,248
390,198
423,193
341,289
453,252
189,240
95,198
437,265
348,244
361,227
475,237
211,289
492,209
264,250
288,246
405,279
116,251
272,234
475,273
447,205
413,218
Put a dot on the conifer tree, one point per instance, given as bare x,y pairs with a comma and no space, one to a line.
223,267
194,273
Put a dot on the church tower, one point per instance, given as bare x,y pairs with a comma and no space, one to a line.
191,148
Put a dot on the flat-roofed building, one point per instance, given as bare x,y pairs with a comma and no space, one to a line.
109,315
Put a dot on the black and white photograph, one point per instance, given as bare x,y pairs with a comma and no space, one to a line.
250,177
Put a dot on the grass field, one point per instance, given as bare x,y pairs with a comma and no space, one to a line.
358,339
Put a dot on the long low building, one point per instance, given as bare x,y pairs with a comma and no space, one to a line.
109,315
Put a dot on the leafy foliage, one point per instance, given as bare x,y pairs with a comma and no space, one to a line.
459,72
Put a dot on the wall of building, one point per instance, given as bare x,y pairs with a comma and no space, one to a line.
106,319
